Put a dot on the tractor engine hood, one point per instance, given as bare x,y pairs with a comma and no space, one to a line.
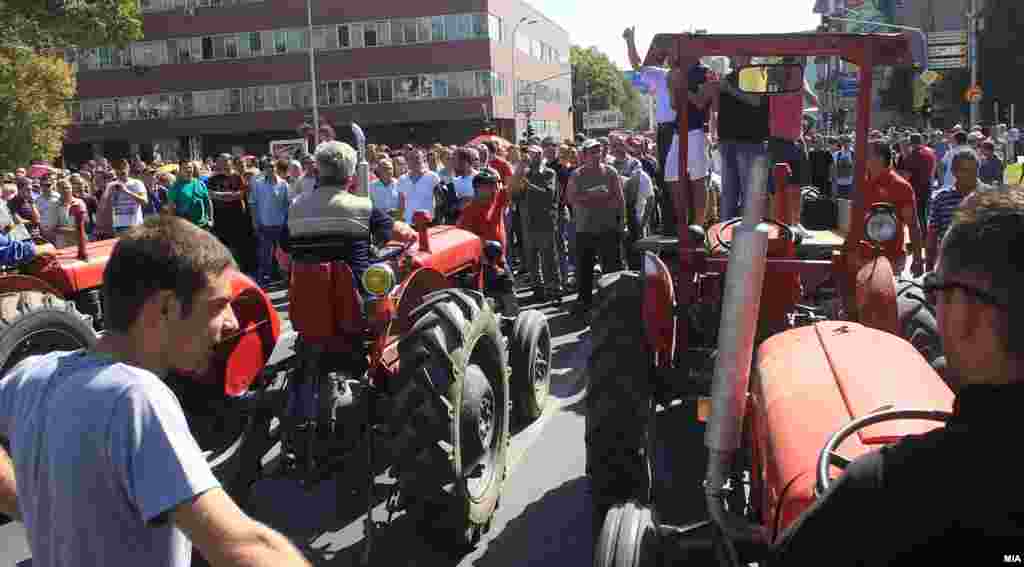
811,381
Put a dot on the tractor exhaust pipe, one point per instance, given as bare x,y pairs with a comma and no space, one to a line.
740,307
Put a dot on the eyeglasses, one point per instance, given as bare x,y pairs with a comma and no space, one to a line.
933,284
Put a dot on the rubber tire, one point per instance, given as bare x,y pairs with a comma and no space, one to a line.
918,323
619,397
628,537
25,312
449,327
529,333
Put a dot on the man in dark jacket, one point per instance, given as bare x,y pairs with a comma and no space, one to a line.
926,499
540,204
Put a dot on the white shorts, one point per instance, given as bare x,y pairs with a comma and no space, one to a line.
697,162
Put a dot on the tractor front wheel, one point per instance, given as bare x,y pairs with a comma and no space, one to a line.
455,400
629,537
33,322
619,397
530,356
917,320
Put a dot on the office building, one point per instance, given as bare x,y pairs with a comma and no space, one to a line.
215,76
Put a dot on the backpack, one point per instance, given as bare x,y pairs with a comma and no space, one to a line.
844,165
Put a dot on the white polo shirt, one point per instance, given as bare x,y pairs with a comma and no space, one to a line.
419,194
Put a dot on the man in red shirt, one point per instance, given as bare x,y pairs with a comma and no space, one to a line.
485,214
885,186
920,162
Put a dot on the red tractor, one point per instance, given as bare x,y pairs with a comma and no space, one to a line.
749,282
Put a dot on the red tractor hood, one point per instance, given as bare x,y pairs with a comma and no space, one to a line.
810,382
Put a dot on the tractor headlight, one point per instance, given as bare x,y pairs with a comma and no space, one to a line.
379,279
881,226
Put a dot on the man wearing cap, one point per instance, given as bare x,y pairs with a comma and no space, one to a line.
538,198
332,223
990,170
595,192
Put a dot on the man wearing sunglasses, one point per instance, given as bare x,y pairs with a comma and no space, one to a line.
929,496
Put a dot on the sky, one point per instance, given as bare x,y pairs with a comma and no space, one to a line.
600,22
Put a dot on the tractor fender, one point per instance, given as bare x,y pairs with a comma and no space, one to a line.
658,308
876,296
240,358
410,295
18,282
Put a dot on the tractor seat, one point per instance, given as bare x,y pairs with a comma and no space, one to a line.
667,244
325,307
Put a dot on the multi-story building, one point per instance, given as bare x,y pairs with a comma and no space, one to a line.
216,76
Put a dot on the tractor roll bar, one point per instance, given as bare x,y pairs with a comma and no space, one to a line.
741,303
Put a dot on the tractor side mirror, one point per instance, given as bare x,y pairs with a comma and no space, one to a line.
421,221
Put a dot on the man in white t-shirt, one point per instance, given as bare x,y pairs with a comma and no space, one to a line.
416,188
464,174
127,197
384,190
47,202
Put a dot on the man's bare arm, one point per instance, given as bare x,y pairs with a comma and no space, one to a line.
8,487
634,57
225,536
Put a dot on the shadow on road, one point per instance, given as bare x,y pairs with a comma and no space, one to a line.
553,530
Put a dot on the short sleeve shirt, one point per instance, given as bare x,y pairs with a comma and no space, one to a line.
102,452
656,79
384,196
419,194
127,211
888,187
943,206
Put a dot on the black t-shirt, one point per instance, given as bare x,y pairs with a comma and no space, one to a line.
739,121
927,499
821,165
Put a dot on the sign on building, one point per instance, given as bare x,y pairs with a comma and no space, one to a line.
947,50
526,102
602,120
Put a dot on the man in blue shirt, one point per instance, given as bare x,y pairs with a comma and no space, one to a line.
268,201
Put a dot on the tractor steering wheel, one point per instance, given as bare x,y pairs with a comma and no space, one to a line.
395,251
829,457
727,244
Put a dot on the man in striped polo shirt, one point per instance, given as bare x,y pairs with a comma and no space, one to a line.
945,201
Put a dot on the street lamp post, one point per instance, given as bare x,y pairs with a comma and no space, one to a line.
515,79
312,73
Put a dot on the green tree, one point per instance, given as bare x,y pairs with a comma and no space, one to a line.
34,90
46,24
595,75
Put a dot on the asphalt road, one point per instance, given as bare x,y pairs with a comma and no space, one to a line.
544,517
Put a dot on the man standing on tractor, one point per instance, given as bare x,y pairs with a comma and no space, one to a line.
908,502
884,185
595,192
105,469
334,213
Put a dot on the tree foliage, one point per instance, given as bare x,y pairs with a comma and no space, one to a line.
595,75
36,24
33,91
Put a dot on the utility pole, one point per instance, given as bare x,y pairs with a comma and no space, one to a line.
972,46
312,74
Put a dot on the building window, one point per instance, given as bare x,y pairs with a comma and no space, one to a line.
440,85
321,94
255,44
298,40
424,29
479,26
347,95
231,46
494,28
234,101
280,41
258,103
404,88
373,91
343,37
370,35
385,90
284,96
218,48
437,28
207,48
333,94
409,30
356,34
360,87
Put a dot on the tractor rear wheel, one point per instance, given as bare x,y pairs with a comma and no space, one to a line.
628,537
618,424
454,396
530,357
33,322
917,319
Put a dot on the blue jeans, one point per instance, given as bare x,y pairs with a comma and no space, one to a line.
266,238
737,161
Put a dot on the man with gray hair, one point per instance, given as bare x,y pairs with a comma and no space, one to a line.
332,223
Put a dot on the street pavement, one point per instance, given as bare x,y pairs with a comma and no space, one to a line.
544,517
